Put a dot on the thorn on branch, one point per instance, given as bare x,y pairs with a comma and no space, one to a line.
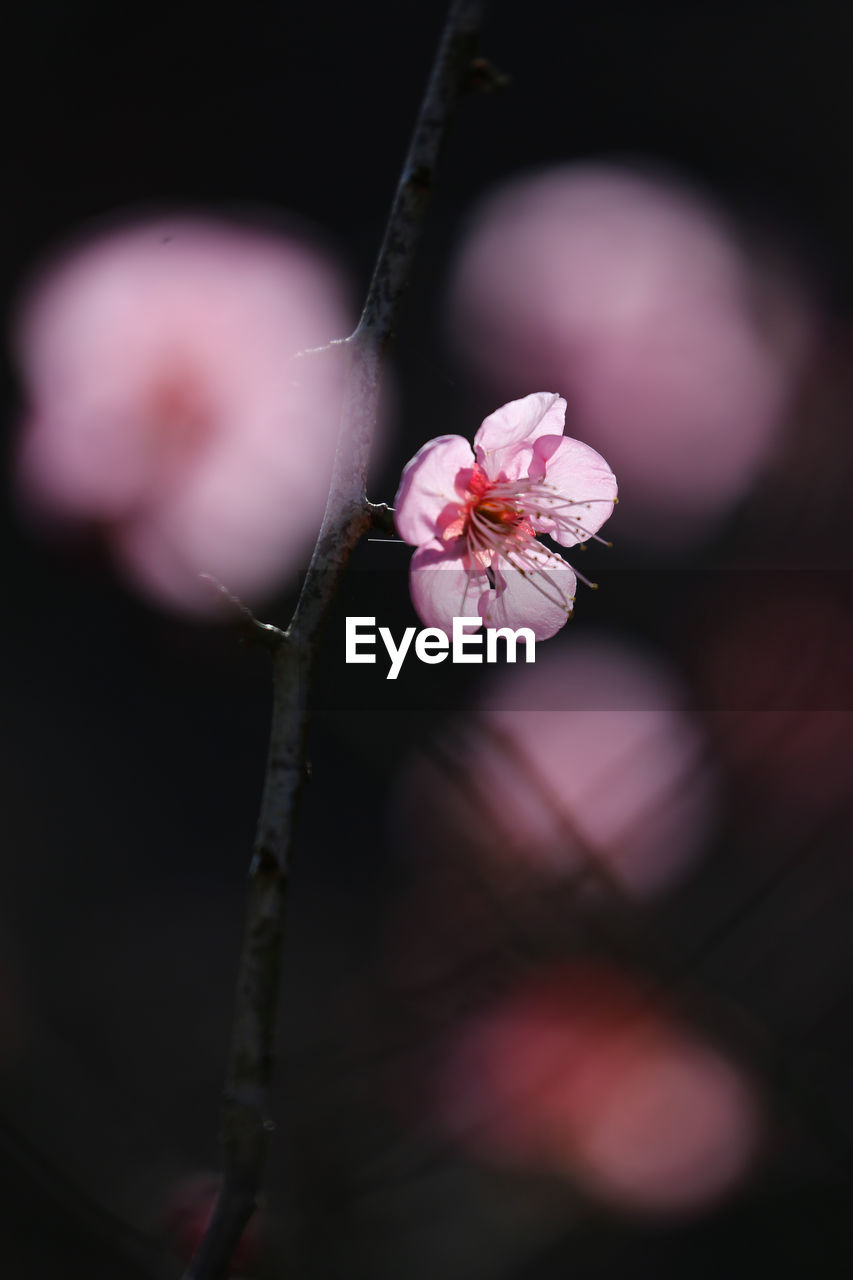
252,628
327,346
381,516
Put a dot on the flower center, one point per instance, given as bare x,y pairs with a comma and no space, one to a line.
492,520
498,513
178,422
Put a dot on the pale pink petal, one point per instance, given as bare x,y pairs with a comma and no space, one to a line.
434,480
579,1074
586,759
85,466
606,747
676,1132
505,438
208,525
679,354
537,591
164,402
443,587
584,483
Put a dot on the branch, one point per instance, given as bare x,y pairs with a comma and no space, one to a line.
381,517
245,1121
251,627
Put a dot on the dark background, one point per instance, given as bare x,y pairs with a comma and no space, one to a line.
133,742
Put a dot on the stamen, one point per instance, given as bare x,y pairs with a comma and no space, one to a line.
496,522
562,600
539,499
593,586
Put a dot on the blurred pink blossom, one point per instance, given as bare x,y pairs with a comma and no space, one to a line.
585,762
186,1217
474,515
677,354
165,406
580,1073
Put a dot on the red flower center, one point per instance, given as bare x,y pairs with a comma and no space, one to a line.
483,504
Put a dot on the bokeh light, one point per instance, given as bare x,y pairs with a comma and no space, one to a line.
585,761
579,1072
678,351
165,407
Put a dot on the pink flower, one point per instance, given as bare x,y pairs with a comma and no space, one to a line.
582,1073
678,351
587,763
474,514
165,408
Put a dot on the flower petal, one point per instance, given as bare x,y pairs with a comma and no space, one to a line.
165,406
539,594
505,438
430,484
445,584
584,488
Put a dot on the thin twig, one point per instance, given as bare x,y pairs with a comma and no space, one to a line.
381,517
264,633
245,1123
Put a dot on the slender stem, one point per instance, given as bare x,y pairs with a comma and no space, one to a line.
245,1121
